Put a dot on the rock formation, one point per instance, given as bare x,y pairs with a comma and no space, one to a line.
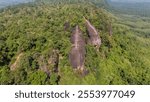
54,60
43,65
77,53
49,65
14,65
93,34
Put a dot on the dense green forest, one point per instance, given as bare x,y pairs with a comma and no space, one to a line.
35,44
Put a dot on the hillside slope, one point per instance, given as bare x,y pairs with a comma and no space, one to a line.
38,32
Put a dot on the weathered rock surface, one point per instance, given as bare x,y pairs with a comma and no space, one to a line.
14,65
77,53
54,61
93,34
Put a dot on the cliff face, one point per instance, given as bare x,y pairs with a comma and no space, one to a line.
77,53
93,34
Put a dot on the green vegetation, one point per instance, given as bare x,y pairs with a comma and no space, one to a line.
29,35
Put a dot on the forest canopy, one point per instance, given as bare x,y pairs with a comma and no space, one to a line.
35,44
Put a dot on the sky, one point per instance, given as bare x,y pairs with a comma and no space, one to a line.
132,0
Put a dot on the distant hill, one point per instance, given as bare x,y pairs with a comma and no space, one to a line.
132,8
5,3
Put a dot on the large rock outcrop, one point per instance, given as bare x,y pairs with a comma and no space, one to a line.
77,53
93,34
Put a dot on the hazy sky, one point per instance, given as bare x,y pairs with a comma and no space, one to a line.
132,0
4,3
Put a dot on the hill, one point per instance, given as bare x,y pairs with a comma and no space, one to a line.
140,8
35,45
